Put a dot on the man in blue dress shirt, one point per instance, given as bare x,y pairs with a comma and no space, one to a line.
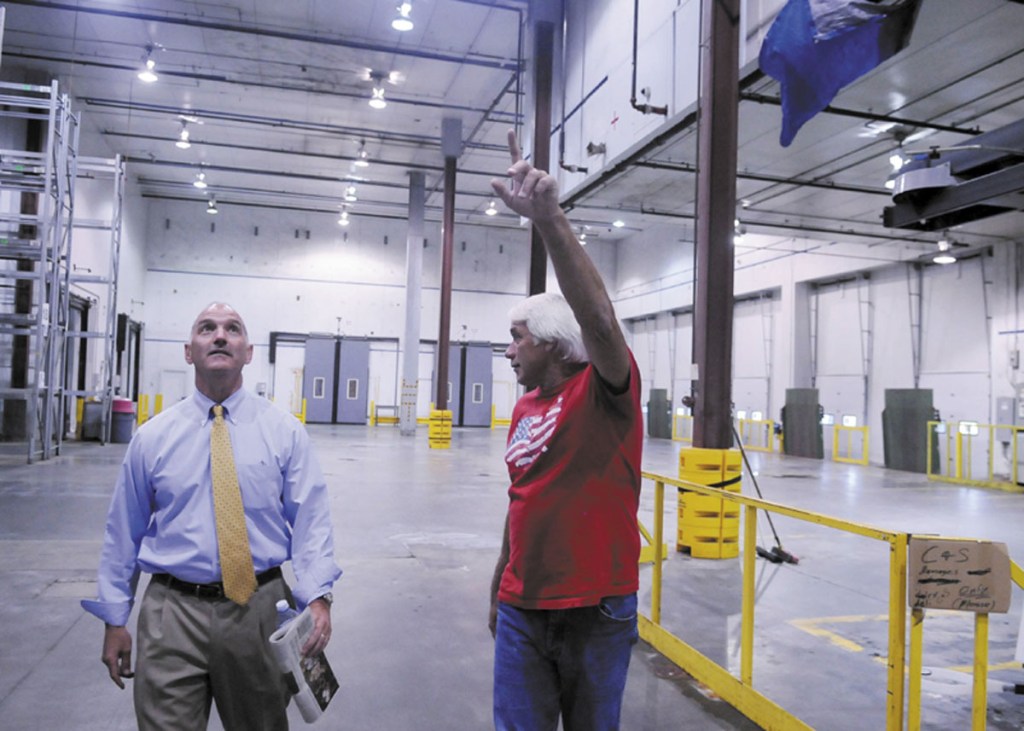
195,645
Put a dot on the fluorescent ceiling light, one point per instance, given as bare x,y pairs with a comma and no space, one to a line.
618,223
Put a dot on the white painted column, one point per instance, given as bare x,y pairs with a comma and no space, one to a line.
413,295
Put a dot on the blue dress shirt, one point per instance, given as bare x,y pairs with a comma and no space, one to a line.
161,517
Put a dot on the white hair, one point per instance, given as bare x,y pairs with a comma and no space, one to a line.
549,319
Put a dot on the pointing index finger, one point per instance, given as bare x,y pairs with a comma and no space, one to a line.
513,147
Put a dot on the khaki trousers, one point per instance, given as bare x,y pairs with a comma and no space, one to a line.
194,651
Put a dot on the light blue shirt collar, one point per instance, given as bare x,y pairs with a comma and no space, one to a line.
232,406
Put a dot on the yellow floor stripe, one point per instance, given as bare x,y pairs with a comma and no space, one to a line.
813,627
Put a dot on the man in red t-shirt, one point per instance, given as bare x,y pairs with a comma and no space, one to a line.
563,598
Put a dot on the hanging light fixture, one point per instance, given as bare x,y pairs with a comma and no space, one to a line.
402,21
738,230
343,218
944,257
377,101
491,209
147,73
200,181
350,194
183,142
618,223
362,157
211,207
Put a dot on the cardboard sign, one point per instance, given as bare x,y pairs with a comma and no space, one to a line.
963,575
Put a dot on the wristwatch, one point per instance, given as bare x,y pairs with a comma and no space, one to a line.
328,598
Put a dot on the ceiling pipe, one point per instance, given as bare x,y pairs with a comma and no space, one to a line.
573,168
192,76
870,116
645,108
268,33
683,167
292,153
287,124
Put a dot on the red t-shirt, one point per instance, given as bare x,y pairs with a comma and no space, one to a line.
574,460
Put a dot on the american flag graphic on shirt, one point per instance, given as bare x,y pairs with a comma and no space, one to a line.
531,436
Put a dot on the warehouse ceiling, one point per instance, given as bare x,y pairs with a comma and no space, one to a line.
274,99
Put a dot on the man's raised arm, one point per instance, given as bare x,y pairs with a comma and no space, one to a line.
534,194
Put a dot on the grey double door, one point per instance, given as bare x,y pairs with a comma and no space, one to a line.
335,380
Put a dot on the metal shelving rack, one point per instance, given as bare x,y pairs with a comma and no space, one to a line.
36,248
114,170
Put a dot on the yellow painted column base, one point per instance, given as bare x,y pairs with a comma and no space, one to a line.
439,429
708,526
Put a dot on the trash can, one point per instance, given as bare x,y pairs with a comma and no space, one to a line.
92,420
122,421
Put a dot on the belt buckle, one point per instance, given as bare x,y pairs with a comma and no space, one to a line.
209,591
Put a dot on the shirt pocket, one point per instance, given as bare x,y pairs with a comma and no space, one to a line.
261,485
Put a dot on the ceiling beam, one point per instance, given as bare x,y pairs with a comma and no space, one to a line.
492,62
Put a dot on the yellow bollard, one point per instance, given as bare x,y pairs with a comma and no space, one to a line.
158,404
439,434
79,415
143,415
709,527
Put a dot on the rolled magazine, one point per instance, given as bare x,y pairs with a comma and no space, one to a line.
310,679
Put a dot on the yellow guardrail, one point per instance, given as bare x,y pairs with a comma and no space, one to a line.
495,421
843,449
739,692
301,413
757,435
142,414
682,428
967,452
376,418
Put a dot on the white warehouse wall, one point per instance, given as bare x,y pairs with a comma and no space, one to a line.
966,317
348,281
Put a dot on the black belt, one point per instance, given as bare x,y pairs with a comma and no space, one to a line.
210,591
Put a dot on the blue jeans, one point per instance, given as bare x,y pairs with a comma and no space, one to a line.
568,661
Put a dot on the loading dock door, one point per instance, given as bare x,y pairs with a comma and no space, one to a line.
477,383
318,379
353,381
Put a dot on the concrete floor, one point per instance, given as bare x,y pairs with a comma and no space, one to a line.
417,533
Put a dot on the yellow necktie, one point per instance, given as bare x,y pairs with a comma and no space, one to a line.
232,538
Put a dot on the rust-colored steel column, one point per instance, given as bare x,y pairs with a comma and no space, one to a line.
716,214
543,71
451,145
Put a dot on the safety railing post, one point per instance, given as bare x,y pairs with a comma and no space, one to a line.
1013,467
928,448
979,701
747,616
991,452
916,668
897,631
959,465
659,546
